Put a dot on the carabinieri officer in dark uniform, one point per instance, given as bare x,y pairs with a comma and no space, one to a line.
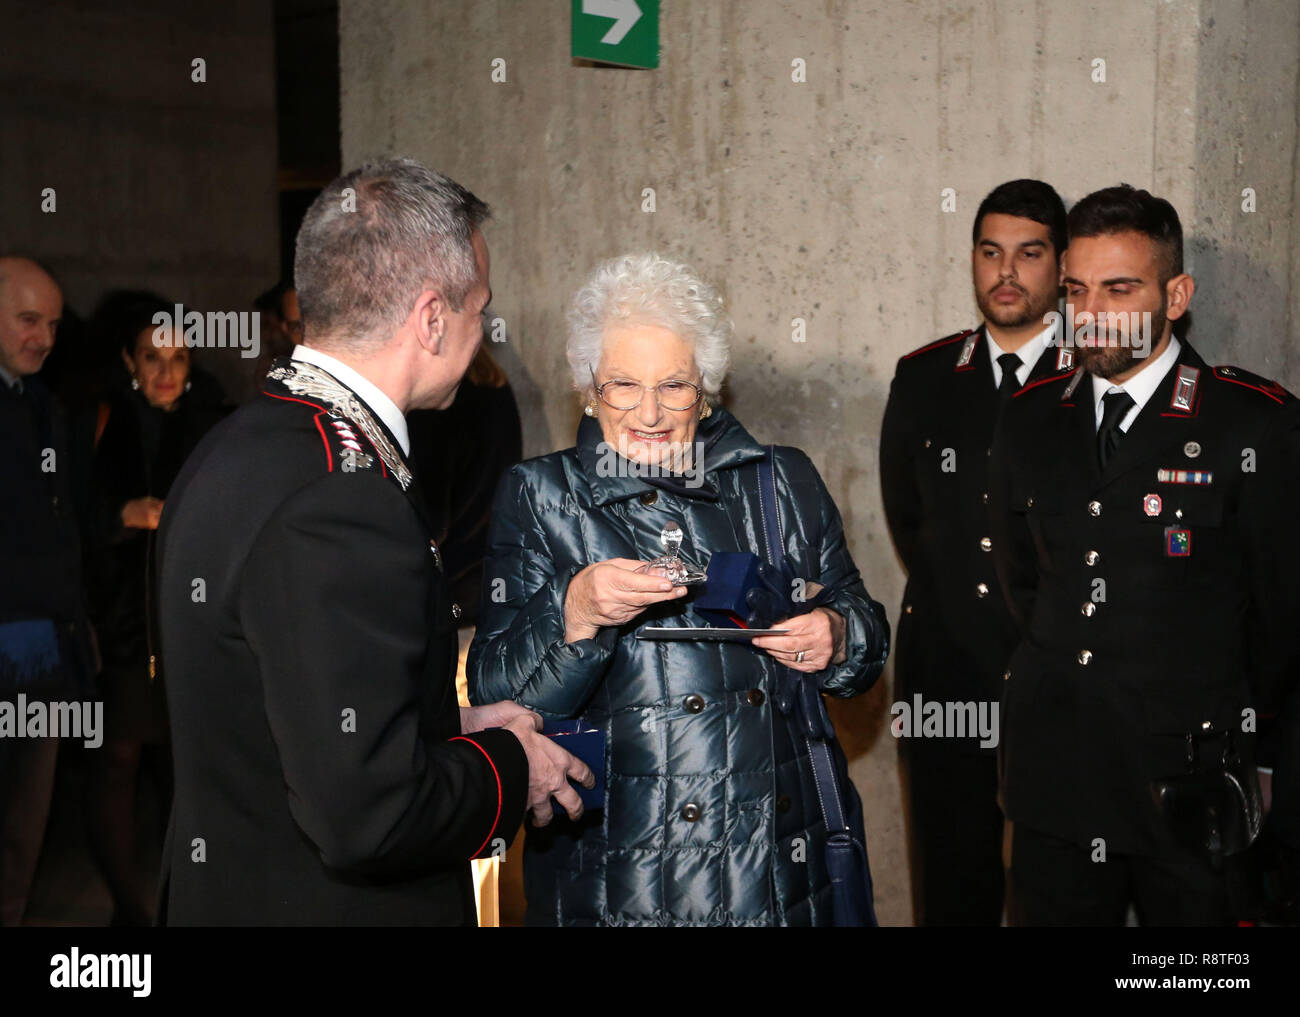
954,634
1144,511
325,774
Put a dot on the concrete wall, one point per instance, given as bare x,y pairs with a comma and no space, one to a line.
822,200
161,182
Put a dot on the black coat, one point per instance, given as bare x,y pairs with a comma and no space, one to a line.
138,455
954,632
320,773
40,546
1110,677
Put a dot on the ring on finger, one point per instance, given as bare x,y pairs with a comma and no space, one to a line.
798,657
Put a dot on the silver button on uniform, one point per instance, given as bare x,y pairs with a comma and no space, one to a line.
1085,657
1094,508
986,544
982,590
456,612
1091,558
1088,609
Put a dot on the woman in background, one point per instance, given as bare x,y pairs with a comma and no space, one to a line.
145,430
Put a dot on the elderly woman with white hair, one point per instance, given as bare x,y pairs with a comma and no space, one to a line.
710,814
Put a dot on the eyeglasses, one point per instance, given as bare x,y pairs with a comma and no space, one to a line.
620,394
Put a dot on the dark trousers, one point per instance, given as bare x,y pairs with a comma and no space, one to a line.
26,783
1056,882
957,876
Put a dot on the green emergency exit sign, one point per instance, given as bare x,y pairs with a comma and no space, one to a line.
617,31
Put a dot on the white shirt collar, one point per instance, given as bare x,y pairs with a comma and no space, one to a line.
1142,386
367,391
1028,353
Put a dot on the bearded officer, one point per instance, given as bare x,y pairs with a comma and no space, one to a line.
1144,509
954,634
324,772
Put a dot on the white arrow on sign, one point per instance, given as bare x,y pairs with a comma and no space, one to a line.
625,13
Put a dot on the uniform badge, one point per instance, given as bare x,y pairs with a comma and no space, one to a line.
1185,388
1064,358
1201,478
1192,449
1152,505
967,349
1178,542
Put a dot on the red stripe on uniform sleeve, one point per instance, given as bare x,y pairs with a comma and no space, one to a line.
497,819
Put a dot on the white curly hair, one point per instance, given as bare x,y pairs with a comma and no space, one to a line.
655,290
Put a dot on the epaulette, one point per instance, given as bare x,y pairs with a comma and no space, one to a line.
945,341
1265,386
342,420
339,438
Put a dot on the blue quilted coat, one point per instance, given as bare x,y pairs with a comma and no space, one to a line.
711,814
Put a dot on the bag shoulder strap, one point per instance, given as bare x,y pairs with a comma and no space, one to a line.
819,750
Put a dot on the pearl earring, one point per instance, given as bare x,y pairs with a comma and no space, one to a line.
135,383
590,409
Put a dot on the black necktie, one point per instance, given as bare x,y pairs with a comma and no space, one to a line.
1114,407
1010,363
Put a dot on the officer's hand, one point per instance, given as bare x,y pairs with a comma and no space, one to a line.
819,634
611,593
142,513
549,770
480,718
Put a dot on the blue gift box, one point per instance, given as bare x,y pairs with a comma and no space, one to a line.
728,578
588,744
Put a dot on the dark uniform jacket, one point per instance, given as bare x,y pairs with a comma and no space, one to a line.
40,549
954,633
1155,596
311,651
711,814
467,446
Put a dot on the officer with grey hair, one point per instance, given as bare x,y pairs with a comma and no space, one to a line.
324,772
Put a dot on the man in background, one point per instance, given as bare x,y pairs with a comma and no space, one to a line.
46,652
954,633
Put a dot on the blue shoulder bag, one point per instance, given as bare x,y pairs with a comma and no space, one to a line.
800,701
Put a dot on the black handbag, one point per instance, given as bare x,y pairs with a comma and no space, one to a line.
801,702
1214,807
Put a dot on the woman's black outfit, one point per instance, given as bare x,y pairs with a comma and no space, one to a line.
137,455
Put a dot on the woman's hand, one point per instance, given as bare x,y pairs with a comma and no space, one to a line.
611,593
819,634
142,513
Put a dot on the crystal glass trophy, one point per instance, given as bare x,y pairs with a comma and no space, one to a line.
670,565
